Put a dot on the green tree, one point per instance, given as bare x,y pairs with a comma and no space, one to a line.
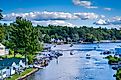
2,33
23,36
1,16
47,38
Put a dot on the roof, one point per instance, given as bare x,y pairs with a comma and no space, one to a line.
2,67
9,61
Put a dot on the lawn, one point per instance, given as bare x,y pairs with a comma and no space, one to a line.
16,76
11,56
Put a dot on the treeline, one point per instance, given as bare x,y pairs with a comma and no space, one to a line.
87,34
74,34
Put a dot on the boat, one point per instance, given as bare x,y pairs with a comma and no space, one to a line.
38,66
88,56
54,45
71,45
71,53
98,46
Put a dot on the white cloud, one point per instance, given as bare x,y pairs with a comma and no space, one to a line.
115,20
40,16
85,16
108,9
54,18
102,16
55,22
84,3
112,21
101,22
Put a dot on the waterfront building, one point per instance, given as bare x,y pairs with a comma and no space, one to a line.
10,66
2,72
2,49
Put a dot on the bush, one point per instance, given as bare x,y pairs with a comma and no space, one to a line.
11,52
30,59
118,74
113,59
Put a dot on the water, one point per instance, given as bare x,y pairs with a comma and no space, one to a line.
77,67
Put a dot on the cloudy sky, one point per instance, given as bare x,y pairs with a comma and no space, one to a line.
104,13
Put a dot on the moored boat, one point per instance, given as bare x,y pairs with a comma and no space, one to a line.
88,56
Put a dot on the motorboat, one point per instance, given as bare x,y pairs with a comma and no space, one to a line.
88,56
71,53
71,45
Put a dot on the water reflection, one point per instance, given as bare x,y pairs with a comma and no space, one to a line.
77,67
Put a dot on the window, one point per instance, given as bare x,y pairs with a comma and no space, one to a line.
4,72
1,48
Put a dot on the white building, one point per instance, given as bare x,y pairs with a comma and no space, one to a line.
2,49
11,66
2,72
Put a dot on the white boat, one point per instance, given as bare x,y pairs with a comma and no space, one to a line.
38,66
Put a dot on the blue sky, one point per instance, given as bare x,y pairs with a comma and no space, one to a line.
105,13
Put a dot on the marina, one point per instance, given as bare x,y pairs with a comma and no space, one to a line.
78,66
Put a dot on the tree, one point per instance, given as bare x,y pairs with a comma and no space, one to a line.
47,38
1,16
24,37
2,33
90,38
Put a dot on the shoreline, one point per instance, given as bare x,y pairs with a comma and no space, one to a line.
95,42
28,74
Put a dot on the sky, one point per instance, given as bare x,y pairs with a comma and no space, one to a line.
92,13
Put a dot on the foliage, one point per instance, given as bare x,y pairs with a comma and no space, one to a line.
12,55
2,33
113,59
87,34
30,59
11,52
46,38
23,29
16,76
118,74
1,16
24,37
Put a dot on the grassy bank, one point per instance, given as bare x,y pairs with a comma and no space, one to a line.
11,56
17,76
118,74
113,59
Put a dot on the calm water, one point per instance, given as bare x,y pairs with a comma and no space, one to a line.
77,67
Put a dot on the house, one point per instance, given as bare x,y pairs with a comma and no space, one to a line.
12,65
81,40
2,49
52,40
2,72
